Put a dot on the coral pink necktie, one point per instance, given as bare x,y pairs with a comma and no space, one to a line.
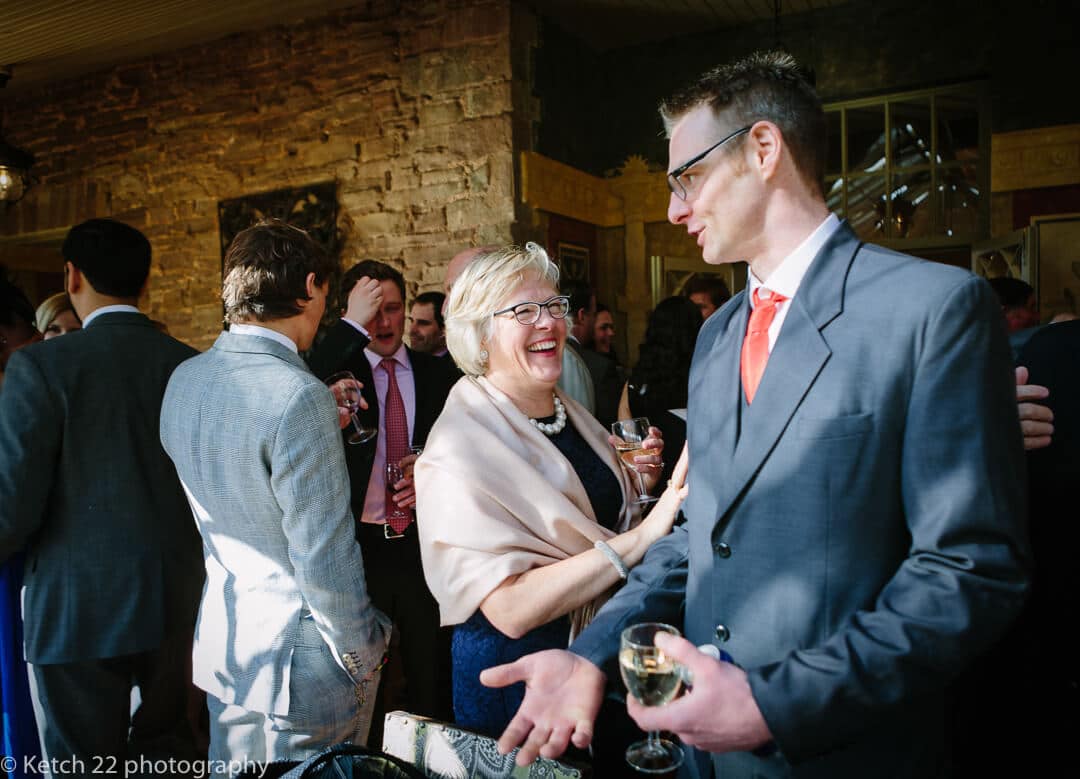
755,348
397,444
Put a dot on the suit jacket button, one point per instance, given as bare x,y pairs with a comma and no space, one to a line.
722,632
723,550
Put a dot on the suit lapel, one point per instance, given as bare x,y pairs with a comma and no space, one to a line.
794,364
714,393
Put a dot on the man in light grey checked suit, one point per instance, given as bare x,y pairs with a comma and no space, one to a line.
287,645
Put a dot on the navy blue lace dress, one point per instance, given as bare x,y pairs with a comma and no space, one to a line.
477,644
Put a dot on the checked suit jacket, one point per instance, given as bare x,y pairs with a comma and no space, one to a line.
256,443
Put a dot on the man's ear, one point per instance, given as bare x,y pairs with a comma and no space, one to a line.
73,279
767,143
309,286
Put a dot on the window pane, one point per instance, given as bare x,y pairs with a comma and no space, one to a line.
866,206
834,195
960,198
910,123
866,138
833,158
958,126
912,209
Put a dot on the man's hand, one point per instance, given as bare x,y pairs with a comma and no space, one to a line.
719,714
364,301
563,693
344,392
405,495
1035,419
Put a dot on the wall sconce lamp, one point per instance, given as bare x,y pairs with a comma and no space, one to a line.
14,162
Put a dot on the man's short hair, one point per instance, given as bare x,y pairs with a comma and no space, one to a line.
580,294
436,299
15,309
266,270
768,86
373,269
1012,293
715,288
114,257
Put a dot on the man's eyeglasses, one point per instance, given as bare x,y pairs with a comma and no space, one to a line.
528,312
681,185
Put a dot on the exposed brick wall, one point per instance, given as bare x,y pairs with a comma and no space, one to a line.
407,105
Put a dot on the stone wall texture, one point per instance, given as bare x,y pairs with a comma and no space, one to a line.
406,105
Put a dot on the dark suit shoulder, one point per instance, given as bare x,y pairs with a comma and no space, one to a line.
431,370
340,349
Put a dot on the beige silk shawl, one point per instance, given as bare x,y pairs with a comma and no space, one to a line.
496,498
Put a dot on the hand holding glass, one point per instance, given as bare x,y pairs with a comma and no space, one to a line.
394,474
654,679
632,434
346,390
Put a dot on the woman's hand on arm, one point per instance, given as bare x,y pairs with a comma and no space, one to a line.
537,596
660,520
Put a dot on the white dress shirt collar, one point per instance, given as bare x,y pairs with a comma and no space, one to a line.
264,332
787,277
118,308
400,357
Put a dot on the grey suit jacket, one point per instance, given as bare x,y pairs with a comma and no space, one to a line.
856,535
255,440
112,556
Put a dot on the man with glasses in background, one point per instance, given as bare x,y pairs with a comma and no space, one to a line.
855,523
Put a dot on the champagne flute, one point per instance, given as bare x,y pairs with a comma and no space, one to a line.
654,679
394,474
632,434
346,390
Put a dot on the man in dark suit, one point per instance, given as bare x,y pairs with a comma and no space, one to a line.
373,351
606,382
855,521
113,563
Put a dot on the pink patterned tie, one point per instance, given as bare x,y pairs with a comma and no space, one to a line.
397,444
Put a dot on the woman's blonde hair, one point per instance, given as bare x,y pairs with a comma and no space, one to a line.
480,290
50,308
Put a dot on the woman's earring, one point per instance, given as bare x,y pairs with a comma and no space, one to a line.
483,355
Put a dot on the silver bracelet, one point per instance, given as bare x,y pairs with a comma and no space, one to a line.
613,557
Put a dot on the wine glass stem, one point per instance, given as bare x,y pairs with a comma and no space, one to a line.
641,484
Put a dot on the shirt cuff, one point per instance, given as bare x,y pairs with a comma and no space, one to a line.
359,327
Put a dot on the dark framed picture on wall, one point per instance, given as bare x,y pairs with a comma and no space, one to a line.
574,262
312,208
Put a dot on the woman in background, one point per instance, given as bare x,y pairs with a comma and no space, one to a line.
56,316
660,380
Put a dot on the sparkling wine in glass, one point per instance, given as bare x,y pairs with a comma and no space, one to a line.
394,474
346,391
654,679
632,434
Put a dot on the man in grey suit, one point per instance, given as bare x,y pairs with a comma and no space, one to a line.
113,567
854,532
288,646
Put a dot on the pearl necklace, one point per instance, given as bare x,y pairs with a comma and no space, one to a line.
556,427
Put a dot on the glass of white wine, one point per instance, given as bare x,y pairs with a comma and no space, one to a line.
632,434
346,390
654,679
